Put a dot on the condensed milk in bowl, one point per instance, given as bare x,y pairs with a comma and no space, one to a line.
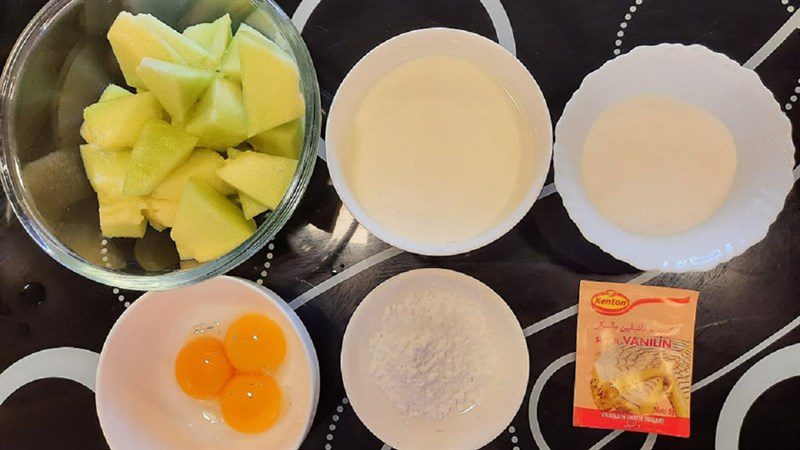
439,141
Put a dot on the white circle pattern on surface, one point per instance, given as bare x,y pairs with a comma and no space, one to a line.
793,98
771,370
104,252
623,25
335,417
495,9
536,392
121,298
268,264
512,431
69,363
628,16
533,410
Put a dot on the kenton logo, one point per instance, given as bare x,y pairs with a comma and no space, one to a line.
610,302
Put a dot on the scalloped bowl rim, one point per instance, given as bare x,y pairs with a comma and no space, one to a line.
643,251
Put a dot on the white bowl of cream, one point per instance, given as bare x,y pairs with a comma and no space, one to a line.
673,158
439,141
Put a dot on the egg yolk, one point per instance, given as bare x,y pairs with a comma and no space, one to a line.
255,343
250,403
202,369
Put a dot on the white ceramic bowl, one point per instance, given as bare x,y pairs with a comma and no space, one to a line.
141,406
484,53
736,95
470,430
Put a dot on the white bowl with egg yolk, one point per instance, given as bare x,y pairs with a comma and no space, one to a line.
433,168
699,77
139,402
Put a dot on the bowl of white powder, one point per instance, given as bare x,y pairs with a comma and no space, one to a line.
673,158
433,358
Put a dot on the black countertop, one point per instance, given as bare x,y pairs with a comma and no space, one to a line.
748,319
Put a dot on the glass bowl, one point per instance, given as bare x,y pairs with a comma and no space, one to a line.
60,64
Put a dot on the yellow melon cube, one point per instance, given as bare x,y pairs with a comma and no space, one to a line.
250,206
230,65
271,85
160,149
177,87
132,41
162,203
113,92
261,176
105,169
285,140
118,122
213,37
208,225
123,218
191,53
120,215
219,119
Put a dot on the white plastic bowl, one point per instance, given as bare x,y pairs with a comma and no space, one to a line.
484,53
736,95
470,430
141,406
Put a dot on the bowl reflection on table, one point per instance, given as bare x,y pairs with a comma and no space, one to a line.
60,65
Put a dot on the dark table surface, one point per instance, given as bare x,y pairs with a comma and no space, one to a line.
749,313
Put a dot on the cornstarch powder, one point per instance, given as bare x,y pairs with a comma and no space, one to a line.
433,354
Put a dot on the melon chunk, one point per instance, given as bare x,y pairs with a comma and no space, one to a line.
213,37
160,213
285,140
250,206
118,122
162,203
271,85
105,169
113,92
219,119
230,66
120,215
193,54
132,41
202,164
160,149
123,218
177,87
261,176
208,225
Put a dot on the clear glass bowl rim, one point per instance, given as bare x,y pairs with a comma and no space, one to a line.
22,204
